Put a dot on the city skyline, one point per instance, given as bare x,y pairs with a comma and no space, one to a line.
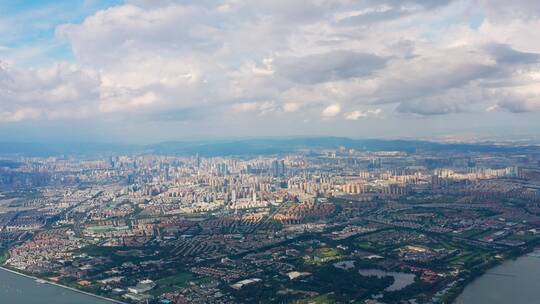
343,221
148,71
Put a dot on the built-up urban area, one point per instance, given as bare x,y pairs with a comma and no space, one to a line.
313,226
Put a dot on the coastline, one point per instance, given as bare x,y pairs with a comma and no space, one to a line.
62,286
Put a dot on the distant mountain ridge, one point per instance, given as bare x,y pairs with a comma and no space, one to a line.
257,146
285,145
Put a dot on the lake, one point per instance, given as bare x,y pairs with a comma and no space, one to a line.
17,289
515,281
401,279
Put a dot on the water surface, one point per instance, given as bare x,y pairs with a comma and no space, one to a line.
401,279
18,289
515,281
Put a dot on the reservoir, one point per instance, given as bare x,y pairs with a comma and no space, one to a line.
511,282
18,289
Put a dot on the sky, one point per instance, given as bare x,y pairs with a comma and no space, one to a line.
144,71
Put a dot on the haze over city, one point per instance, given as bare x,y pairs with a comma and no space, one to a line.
147,71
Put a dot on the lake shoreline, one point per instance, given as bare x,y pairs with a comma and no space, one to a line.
460,290
45,281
